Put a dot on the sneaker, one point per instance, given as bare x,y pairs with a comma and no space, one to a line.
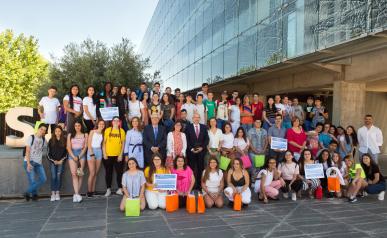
89,194
34,197
75,198
119,192
79,198
352,200
381,196
57,197
294,196
285,195
52,198
108,192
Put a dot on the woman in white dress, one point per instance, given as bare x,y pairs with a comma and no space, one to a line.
235,115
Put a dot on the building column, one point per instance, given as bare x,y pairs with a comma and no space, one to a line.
349,102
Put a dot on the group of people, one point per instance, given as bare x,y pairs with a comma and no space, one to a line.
162,133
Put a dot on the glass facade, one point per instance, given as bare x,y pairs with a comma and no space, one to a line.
195,41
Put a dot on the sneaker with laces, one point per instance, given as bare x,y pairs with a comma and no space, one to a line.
79,198
75,198
381,196
285,195
57,197
294,196
352,200
52,198
119,192
108,192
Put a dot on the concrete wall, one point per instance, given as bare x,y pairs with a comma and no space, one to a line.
376,105
14,180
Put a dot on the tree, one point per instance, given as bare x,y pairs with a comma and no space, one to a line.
22,70
93,63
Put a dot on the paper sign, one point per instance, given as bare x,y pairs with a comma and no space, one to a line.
165,181
279,143
314,171
107,113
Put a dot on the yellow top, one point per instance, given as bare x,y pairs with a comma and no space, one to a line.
158,171
114,142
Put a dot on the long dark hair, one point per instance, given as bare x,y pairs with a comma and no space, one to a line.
94,97
71,97
72,130
320,159
367,169
266,165
353,135
293,159
207,171
301,161
244,133
54,141
268,105
152,167
133,159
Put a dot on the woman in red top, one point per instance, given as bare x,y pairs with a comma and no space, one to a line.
296,138
179,102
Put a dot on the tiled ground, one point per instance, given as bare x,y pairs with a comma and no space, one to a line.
99,217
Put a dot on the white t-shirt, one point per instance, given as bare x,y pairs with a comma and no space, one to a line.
228,141
280,107
77,102
50,109
91,107
213,181
235,115
269,176
97,139
135,109
190,110
215,138
241,143
199,108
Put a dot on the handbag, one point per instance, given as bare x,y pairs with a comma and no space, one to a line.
259,160
224,162
132,207
201,205
246,161
80,172
172,202
237,202
191,204
333,184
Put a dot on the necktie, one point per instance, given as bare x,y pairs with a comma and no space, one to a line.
155,131
197,131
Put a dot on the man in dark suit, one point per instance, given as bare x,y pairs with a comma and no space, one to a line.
197,141
154,139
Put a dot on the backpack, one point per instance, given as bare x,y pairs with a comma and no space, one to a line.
32,142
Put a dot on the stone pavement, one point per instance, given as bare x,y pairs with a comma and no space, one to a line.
100,217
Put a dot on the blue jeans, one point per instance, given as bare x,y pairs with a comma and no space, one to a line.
246,127
220,123
56,173
266,125
376,188
35,184
168,123
308,125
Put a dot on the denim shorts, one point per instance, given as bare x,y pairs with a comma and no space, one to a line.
97,154
77,152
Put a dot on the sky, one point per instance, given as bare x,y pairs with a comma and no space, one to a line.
57,23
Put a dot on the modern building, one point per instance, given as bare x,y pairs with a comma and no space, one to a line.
333,48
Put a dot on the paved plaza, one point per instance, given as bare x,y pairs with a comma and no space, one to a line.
100,217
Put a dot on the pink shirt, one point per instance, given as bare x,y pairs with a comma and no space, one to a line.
184,178
299,138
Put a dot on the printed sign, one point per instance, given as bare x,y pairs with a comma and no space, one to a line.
314,171
107,113
279,143
165,181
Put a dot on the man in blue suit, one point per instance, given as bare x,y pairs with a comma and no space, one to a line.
154,139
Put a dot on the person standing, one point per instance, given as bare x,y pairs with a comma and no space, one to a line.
197,141
297,110
235,115
222,110
76,149
122,104
154,139
155,106
167,112
257,107
269,113
49,108
135,107
370,138
90,109
105,97
113,148
140,92
145,112
156,90
133,143
57,154
287,113
201,109
276,131
204,92
73,106
210,106
258,141
246,114
319,113
178,104
94,156
296,138
176,144
189,107
33,162
308,108
215,136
